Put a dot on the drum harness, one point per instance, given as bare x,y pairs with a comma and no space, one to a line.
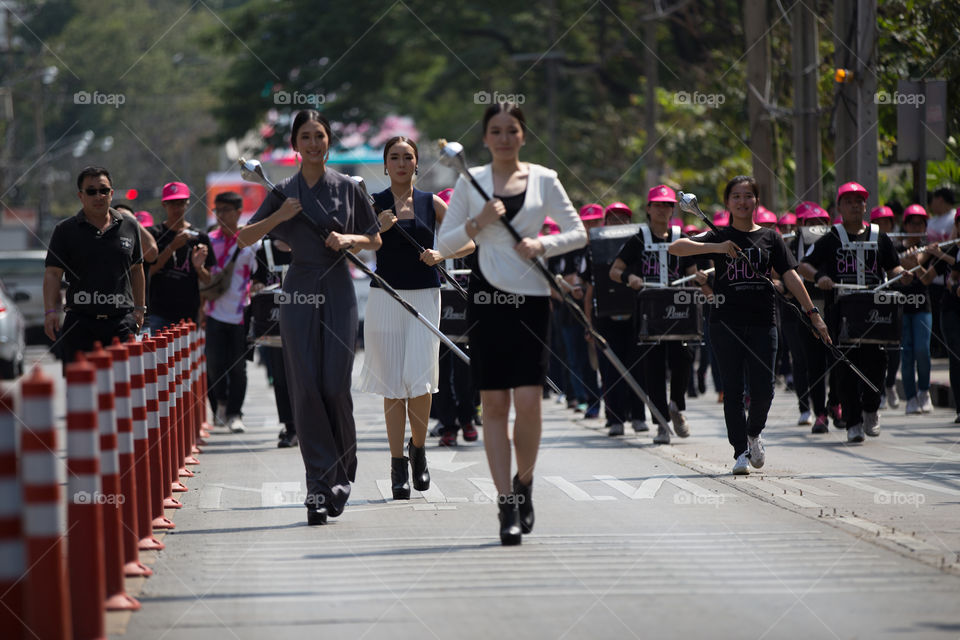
662,247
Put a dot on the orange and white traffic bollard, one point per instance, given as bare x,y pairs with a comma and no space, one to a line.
176,410
183,400
84,504
141,455
191,391
110,509
155,442
11,542
163,396
128,476
204,424
46,599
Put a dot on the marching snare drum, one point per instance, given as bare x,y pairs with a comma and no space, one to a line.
453,314
669,314
867,317
612,298
264,328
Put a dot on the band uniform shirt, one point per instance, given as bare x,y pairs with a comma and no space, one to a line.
96,264
229,307
742,295
829,257
174,288
644,261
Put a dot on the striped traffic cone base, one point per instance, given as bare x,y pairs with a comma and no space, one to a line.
162,522
137,570
122,602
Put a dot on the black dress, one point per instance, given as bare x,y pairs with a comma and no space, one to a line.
508,331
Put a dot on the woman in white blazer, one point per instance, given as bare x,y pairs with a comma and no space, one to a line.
508,304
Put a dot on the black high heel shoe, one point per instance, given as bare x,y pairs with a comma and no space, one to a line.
316,515
418,463
510,532
399,478
524,503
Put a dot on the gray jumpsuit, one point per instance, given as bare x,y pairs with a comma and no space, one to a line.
318,324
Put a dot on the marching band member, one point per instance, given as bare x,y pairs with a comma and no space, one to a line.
883,217
833,259
950,316
319,324
400,355
638,263
743,333
508,305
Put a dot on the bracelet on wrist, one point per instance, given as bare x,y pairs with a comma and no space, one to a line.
811,311
49,311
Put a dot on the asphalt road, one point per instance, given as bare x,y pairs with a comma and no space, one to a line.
632,540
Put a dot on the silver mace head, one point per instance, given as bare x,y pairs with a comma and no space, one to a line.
688,203
363,186
451,155
252,171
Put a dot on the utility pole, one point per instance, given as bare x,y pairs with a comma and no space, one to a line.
758,79
806,117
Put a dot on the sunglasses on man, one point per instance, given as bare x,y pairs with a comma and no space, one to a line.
103,191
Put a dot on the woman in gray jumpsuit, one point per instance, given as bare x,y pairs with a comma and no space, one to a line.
318,313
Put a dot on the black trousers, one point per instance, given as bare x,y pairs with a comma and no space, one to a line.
80,331
281,393
656,358
455,399
793,330
226,365
855,396
621,403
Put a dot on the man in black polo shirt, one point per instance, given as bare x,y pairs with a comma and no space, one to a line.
183,262
98,251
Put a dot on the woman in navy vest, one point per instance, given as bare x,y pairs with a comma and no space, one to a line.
401,355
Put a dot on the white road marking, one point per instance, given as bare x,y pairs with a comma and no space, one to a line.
923,485
781,493
486,486
433,494
385,489
802,486
569,488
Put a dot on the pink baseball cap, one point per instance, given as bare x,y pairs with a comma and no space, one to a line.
174,191
851,187
551,225
764,216
144,217
915,210
787,219
591,211
662,193
691,229
806,210
618,206
445,195
722,218
878,213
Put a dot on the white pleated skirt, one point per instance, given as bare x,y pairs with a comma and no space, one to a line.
401,356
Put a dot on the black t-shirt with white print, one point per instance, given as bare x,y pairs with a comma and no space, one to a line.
829,257
742,293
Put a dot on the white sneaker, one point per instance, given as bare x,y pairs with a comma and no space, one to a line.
640,426
871,423
892,400
235,424
755,451
806,418
741,467
220,417
663,435
679,421
855,433
913,407
923,399
561,399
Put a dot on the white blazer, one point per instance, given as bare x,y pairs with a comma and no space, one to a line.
501,265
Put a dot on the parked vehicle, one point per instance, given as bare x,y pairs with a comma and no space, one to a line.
22,274
12,342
